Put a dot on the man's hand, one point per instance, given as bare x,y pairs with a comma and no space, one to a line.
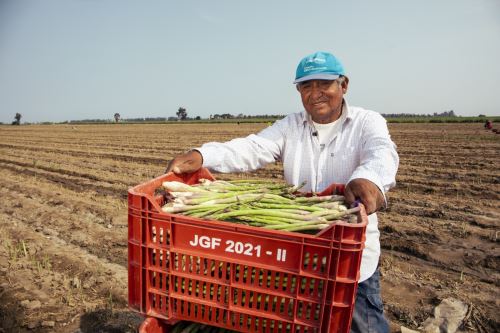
186,163
366,192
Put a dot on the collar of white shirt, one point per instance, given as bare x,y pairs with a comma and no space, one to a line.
345,116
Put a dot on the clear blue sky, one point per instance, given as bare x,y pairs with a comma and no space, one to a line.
81,59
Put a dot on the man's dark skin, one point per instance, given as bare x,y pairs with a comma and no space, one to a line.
323,101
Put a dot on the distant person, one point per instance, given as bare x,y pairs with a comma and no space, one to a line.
488,125
329,142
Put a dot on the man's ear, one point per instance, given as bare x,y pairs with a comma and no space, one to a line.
297,87
345,84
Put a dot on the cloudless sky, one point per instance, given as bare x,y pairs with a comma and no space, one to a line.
85,59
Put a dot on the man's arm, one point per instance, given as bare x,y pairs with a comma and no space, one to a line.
237,155
379,163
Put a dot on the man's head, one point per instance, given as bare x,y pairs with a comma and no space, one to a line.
321,81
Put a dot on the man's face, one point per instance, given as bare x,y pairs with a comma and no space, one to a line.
322,99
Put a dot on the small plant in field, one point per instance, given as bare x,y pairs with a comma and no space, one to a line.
17,250
74,292
76,283
25,251
21,250
123,204
463,230
109,301
68,299
42,264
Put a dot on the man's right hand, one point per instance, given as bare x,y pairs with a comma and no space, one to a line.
186,163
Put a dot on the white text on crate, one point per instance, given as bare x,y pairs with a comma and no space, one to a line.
231,246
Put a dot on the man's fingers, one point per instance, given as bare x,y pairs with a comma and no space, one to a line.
176,170
186,166
173,166
367,201
169,166
367,192
180,167
349,196
370,206
380,202
186,163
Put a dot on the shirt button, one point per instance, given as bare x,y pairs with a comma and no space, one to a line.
332,154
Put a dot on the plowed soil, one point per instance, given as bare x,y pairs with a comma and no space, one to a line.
63,220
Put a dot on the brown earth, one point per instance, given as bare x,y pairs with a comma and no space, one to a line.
63,220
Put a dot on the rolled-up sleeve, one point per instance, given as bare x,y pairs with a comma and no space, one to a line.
379,160
245,154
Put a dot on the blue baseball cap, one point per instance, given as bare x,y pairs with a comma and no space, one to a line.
319,66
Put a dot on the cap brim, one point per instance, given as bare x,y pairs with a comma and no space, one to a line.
321,76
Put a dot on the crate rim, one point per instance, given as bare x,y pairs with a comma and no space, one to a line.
138,190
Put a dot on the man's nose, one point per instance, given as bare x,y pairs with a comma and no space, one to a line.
315,90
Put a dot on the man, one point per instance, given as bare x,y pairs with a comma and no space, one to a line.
488,125
331,142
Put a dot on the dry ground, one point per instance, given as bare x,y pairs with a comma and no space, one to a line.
63,220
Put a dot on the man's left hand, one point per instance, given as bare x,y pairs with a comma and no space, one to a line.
366,192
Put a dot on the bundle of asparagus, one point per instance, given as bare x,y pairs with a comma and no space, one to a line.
258,203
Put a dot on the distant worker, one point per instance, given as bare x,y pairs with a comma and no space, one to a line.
329,142
488,125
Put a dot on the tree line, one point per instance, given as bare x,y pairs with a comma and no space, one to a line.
450,113
182,115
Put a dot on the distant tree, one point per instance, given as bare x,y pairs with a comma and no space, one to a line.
117,117
17,120
198,118
181,113
451,113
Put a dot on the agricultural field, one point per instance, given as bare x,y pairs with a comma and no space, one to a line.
63,220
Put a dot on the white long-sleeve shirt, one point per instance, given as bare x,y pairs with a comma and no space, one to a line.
361,149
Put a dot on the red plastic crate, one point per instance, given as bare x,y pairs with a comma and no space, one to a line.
238,277
154,325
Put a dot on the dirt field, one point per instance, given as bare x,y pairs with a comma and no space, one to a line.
63,221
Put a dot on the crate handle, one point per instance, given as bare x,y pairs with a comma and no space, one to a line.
147,189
